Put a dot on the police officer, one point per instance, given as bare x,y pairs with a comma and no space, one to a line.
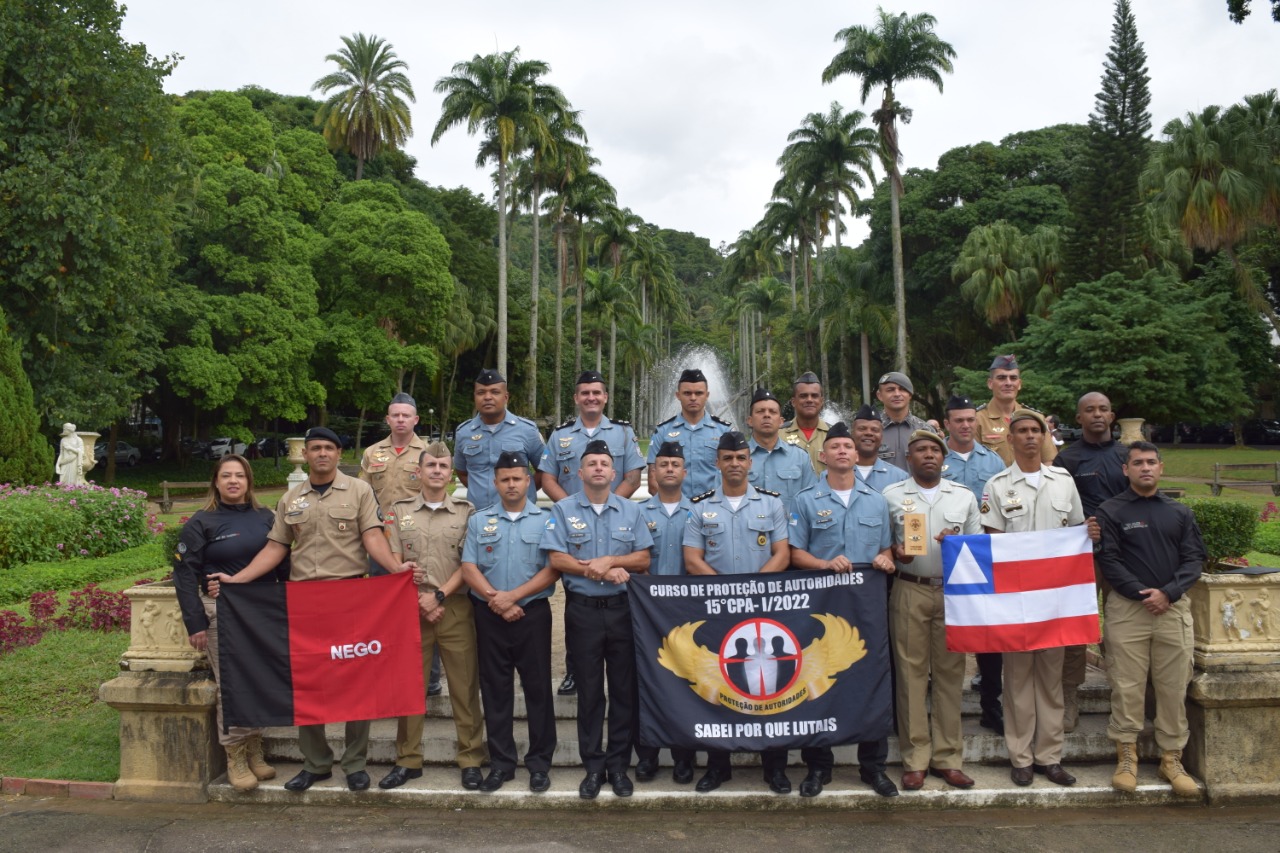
836,525
775,465
480,441
925,510
505,565
693,429
807,430
737,529
868,438
329,526
894,392
428,533
1030,495
1004,378
596,540
971,465
664,514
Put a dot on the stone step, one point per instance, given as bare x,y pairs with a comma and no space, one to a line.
440,788
1088,743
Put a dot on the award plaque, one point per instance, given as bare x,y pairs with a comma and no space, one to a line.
915,528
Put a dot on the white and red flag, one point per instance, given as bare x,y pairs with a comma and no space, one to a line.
1018,592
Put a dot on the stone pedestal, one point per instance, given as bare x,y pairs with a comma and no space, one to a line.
1131,430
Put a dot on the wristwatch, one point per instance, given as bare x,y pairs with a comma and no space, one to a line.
440,596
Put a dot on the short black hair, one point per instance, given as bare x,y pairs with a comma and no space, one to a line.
1145,446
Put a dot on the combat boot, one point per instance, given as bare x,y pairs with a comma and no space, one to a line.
1126,776
1070,708
258,765
1171,771
238,772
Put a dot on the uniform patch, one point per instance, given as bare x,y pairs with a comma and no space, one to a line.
761,539
182,547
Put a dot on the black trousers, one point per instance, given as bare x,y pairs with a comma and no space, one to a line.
872,756
504,648
650,753
990,667
770,760
601,642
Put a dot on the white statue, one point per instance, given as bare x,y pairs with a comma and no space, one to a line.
70,464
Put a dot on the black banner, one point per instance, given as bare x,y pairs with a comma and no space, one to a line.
762,661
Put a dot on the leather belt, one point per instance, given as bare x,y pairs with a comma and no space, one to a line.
600,602
910,578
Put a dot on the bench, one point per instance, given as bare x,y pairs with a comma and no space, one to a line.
1273,481
166,502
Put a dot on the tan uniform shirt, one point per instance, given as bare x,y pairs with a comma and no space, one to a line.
954,508
394,476
1011,504
791,434
993,432
432,538
326,531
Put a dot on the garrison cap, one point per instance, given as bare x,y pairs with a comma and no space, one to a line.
671,448
839,429
511,459
732,440
589,376
597,447
403,399
762,394
899,379
1028,415
321,434
866,413
489,376
927,435
437,450
692,375
807,378
1004,362
958,402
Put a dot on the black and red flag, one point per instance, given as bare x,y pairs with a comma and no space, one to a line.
762,661
296,654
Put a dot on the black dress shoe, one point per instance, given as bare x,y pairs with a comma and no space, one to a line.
494,780
712,779
568,687
539,781
358,781
1022,776
397,777
992,719
621,784
589,788
1054,773
435,689
646,771
879,782
811,785
681,773
778,782
305,779
471,778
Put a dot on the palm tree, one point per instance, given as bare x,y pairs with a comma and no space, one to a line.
995,272
847,301
500,96
610,300
895,49
767,298
368,111
588,197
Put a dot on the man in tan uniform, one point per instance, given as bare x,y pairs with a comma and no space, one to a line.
428,533
1030,495
1004,378
807,431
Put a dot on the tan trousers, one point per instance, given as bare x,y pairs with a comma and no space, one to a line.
1074,664
1139,643
456,634
918,634
235,734
1033,707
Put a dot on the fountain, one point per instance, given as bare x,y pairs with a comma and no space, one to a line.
658,399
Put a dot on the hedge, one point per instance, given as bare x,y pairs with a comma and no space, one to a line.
1227,527
17,585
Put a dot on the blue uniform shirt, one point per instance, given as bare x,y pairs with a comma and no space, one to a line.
882,474
575,529
478,445
983,464
826,528
786,470
566,444
507,552
735,543
668,535
699,442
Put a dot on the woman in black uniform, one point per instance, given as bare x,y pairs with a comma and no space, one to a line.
224,536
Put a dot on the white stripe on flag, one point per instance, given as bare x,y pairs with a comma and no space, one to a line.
1017,608
1040,544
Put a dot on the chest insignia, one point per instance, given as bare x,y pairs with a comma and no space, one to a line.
301,503
708,515
761,539
380,456
342,525
492,529
406,523
653,525
793,439
580,525
566,469
908,504
488,549
565,442
1012,493
823,513
477,437
675,434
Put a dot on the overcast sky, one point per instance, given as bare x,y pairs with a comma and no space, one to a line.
688,104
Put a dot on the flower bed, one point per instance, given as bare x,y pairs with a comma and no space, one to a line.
91,608
52,522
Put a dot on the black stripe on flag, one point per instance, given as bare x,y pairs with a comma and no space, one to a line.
253,655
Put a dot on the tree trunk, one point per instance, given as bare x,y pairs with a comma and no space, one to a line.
899,280
866,368
532,379
613,354
562,263
579,281
502,266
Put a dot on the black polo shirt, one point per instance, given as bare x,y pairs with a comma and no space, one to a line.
1149,543
1098,470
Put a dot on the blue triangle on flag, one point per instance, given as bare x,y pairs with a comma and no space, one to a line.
966,565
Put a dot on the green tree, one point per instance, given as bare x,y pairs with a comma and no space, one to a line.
995,272
1238,10
25,454
894,49
503,98
832,154
367,112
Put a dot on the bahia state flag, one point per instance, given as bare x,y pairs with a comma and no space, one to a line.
1018,592
307,652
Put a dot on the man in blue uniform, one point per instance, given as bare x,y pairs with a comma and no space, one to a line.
506,568
775,465
596,540
737,529
694,430
559,463
868,436
665,514
840,523
480,441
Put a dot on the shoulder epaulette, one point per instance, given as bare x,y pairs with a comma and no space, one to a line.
620,422
702,496
1030,409
521,418
567,424
722,421
768,492
980,407
786,425
668,420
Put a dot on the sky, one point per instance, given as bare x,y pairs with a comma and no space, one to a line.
688,104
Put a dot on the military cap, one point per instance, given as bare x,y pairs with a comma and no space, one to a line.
322,434
927,435
597,447
692,375
762,394
807,378
732,440
671,448
438,450
403,399
511,459
1028,414
839,429
1004,362
489,376
899,379
958,402
589,376
866,413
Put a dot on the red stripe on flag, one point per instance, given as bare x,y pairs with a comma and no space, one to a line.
1052,573
1067,631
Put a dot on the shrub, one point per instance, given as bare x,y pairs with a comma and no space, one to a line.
111,520
1227,527
1267,538
17,586
169,538
33,530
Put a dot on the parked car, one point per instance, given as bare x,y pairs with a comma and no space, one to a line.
126,453
1261,431
220,447
268,447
